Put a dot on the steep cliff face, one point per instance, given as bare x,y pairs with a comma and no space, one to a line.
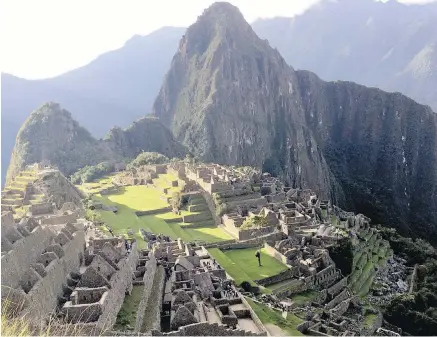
232,99
145,134
381,146
385,44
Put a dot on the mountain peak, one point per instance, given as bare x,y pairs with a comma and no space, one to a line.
218,22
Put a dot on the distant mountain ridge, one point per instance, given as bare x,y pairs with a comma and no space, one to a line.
113,90
387,45
392,46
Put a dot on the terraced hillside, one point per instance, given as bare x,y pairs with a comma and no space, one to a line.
20,193
370,253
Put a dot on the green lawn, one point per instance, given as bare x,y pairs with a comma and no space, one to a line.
138,198
128,312
267,315
369,319
242,265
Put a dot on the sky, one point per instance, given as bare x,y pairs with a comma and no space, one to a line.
45,38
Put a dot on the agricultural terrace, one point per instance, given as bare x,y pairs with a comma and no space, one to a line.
274,322
13,193
130,199
242,265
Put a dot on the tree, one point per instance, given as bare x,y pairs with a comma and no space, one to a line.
148,158
255,222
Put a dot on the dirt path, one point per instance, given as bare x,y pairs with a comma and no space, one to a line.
275,330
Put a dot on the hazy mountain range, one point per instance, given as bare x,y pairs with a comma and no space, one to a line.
229,97
387,45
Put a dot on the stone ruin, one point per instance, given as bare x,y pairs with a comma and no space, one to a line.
70,277
198,297
93,294
36,259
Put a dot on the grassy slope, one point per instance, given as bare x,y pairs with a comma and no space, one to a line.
267,315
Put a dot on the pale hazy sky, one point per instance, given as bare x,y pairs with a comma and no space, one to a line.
44,38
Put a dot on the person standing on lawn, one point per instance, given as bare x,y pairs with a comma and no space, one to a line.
258,256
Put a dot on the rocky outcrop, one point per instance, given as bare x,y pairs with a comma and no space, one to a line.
232,99
51,135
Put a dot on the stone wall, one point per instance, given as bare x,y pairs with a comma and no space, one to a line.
154,211
282,276
25,252
148,284
42,208
121,284
274,253
336,288
197,217
231,244
206,329
413,279
254,316
60,219
248,234
341,308
337,299
44,294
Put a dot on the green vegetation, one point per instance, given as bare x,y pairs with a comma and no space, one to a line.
369,319
90,173
242,265
270,316
255,222
370,251
130,199
303,297
415,313
128,313
148,158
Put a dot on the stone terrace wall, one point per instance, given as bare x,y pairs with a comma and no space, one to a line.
336,288
251,233
231,244
148,284
211,207
121,283
43,296
253,315
60,219
274,253
24,252
154,211
206,329
282,276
